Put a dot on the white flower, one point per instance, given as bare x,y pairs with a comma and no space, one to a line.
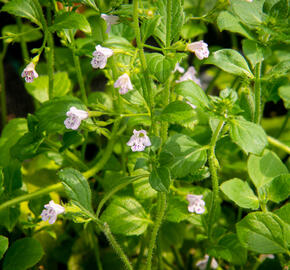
178,68
191,105
265,256
75,118
201,264
139,140
110,20
51,211
29,73
101,55
196,204
199,48
124,83
189,75
249,1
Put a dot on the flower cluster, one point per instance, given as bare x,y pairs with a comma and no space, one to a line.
51,211
75,118
196,204
29,73
189,75
100,57
199,48
124,84
201,264
139,140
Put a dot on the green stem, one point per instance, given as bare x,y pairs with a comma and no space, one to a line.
50,63
33,195
2,86
278,144
161,206
284,124
208,263
168,22
257,115
153,47
108,151
212,82
178,258
214,177
141,253
23,44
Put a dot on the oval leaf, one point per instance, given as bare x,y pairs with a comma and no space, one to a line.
160,179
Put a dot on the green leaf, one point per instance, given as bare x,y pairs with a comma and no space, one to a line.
148,27
90,3
23,8
264,233
23,254
282,68
77,188
230,249
12,177
177,18
284,93
52,113
160,66
240,192
177,111
9,217
3,245
17,127
192,29
39,88
263,169
13,31
230,61
284,213
228,21
249,136
71,20
177,209
193,93
189,156
160,179
254,52
279,10
126,216
278,189
250,13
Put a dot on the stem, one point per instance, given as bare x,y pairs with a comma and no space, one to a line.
2,84
214,177
178,258
50,63
23,44
108,151
208,263
141,253
161,206
212,82
257,115
168,23
153,47
284,124
33,195
278,144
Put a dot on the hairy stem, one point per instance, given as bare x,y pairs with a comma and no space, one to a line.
161,207
278,144
32,195
214,177
23,45
2,86
258,105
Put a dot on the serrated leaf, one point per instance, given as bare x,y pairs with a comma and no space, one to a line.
264,233
12,177
176,209
160,179
284,213
240,192
126,216
263,169
3,245
77,188
193,93
148,27
230,61
23,254
71,20
284,93
249,136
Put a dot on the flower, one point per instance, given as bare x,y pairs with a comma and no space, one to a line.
75,118
29,73
189,75
263,257
201,264
139,140
51,212
110,20
124,83
101,55
196,204
249,1
199,48
178,68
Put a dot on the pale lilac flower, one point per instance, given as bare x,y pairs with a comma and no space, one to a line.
199,48
196,204
29,73
191,105
101,55
110,20
51,211
201,264
189,75
124,83
139,140
265,256
178,68
75,118
249,1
